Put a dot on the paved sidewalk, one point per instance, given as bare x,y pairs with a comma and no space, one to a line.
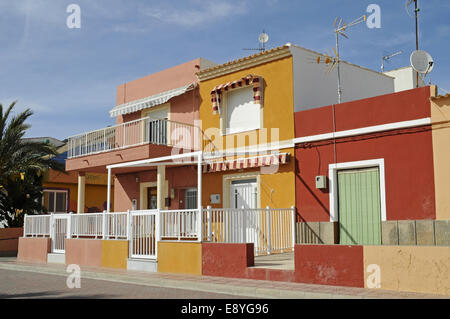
229,286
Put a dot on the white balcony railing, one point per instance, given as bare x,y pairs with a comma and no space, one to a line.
135,133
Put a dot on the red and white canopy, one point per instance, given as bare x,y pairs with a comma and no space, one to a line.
246,162
251,79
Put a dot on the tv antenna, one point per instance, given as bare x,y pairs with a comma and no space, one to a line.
262,39
340,28
416,14
386,58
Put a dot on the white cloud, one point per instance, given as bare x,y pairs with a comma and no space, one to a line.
23,104
205,13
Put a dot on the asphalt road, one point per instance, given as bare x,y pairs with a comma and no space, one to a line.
22,284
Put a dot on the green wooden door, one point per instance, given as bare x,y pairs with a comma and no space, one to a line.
359,206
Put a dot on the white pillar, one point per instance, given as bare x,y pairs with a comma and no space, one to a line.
160,181
199,180
81,192
199,197
108,196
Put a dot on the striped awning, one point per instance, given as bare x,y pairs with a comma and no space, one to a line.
216,93
246,162
149,101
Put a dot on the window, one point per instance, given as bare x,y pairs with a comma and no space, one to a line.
156,128
55,201
241,112
191,198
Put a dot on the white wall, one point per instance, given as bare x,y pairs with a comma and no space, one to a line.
404,78
314,87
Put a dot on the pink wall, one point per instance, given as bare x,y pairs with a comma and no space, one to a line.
158,82
34,249
84,252
184,108
97,162
126,188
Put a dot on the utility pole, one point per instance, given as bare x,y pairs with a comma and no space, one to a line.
416,11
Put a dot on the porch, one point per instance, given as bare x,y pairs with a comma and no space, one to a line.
271,230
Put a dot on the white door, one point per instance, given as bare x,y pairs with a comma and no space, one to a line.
244,194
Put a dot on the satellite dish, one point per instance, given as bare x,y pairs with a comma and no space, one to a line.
263,38
421,61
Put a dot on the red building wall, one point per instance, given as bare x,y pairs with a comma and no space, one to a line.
407,153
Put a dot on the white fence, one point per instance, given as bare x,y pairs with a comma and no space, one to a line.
271,230
181,224
36,226
134,133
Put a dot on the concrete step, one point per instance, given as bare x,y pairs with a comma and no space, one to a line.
53,258
142,265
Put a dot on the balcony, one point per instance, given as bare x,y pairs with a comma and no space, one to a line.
135,133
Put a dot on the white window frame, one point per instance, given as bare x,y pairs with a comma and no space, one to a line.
54,200
332,175
224,114
190,189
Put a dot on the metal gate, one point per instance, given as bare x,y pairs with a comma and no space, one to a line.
60,231
144,234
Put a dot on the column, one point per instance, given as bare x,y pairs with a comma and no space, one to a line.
160,179
81,192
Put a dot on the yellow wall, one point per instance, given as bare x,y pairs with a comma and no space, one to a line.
422,269
276,190
95,195
180,257
278,112
114,253
440,117
278,103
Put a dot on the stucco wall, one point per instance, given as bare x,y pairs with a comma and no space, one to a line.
127,189
180,257
95,195
97,253
84,252
226,260
440,116
114,253
277,96
34,249
407,153
411,268
329,265
9,240
277,190
167,79
314,86
97,162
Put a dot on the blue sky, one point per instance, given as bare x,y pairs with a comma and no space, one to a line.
68,77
